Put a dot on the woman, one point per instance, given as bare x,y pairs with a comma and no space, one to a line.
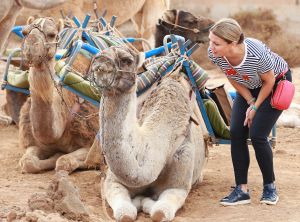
253,70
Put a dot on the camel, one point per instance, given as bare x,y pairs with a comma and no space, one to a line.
143,13
183,23
154,156
53,136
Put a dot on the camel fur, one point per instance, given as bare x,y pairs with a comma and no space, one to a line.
183,23
142,13
155,156
10,10
49,129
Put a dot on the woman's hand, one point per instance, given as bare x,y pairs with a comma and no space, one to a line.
250,113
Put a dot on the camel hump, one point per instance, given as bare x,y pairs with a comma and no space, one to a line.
167,102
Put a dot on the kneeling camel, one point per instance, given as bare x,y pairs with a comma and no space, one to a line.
154,156
50,132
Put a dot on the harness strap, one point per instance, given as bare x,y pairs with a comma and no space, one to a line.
75,108
177,18
175,25
281,75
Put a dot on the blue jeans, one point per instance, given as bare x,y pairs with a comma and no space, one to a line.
262,124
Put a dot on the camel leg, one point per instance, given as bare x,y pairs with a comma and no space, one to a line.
180,174
7,23
148,19
32,161
118,198
72,161
165,208
94,157
5,120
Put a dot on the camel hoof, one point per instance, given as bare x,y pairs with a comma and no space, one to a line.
29,164
66,164
126,218
5,120
158,216
125,212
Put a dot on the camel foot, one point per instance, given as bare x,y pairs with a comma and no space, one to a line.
125,212
5,120
126,219
29,164
158,216
66,163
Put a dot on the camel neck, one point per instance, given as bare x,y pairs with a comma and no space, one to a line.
136,150
122,142
46,114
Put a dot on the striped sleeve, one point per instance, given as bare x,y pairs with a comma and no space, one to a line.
266,63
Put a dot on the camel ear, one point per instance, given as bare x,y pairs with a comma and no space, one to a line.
169,15
60,25
140,59
30,20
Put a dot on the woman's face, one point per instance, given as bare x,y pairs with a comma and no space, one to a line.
218,46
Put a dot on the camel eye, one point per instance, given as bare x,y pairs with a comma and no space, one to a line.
25,31
51,35
126,61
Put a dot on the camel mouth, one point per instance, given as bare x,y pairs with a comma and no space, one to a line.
34,50
103,78
126,84
114,70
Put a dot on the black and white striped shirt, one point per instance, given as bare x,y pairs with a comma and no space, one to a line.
258,59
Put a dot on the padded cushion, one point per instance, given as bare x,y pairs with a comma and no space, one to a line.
18,78
80,84
216,120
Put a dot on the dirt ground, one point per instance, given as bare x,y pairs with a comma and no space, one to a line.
201,204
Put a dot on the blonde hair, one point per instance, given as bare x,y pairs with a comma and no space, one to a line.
229,30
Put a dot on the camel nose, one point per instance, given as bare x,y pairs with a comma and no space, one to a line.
103,67
33,46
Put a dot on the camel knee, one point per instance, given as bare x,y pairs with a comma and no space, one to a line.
125,212
72,161
147,204
162,214
5,120
167,205
29,164
66,163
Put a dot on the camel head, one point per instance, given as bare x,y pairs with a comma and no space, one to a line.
113,71
195,28
41,38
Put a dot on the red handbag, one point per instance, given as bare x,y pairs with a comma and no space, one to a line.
283,95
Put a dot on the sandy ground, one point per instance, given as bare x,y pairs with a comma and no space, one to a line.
201,204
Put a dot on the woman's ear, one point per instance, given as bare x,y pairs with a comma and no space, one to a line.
30,20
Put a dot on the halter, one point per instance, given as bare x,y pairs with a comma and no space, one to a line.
103,54
175,25
39,25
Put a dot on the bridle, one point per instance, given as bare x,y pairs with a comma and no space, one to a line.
115,70
39,25
172,26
